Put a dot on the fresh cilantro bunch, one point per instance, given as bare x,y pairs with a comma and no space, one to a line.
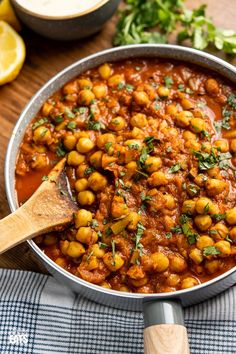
151,21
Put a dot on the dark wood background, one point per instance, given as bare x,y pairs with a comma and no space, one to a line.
44,59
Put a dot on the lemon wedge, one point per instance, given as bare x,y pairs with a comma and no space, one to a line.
7,14
12,53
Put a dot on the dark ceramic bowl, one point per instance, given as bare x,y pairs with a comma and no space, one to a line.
70,27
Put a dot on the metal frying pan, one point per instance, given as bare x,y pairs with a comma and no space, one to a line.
164,326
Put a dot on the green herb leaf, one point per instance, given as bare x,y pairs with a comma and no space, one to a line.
218,217
168,235
210,251
145,197
71,125
39,122
176,230
108,145
69,113
175,168
45,178
89,170
168,81
60,150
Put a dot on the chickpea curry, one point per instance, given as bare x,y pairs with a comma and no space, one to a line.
151,161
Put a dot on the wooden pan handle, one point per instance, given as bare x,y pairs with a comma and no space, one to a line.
166,339
164,331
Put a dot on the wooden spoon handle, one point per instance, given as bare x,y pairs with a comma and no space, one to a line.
166,339
16,228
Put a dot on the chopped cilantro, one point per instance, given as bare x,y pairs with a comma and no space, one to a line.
133,146
181,87
206,160
102,245
45,178
210,251
92,125
120,86
144,155
168,235
218,217
69,113
60,150
94,224
232,100
177,229
129,87
145,197
169,149
175,168
39,122
168,81
58,119
71,125
88,171
108,145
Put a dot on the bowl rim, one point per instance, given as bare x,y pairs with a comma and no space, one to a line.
67,17
11,197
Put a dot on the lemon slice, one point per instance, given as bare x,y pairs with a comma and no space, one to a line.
7,14
12,53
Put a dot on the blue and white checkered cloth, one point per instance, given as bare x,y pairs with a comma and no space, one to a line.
39,315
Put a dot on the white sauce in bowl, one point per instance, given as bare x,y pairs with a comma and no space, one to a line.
58,8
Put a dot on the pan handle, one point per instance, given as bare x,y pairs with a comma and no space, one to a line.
164,331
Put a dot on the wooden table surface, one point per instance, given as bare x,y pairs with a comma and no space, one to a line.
44,59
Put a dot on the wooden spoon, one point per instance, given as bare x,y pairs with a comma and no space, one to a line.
49,208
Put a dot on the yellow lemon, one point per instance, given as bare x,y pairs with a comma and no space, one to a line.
12,53
7,14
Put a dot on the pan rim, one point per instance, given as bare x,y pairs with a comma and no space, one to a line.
11,196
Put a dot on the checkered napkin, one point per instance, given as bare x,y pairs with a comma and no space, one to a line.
39,315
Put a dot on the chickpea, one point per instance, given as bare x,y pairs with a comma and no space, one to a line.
86,235
173,280
86,97
172,109
177,263
82,218
97,251
204,241
187,135
212,87
81,184
117,124
200,180
131,167
153,164
163,91
84,145
138,120
135,218
118,207
215,186
97,182
231,216
169,201
74,158
233,145
70,88
47,107
75,249
50,239
214,172
84,84
141,98
187,104
136,272
222,145
103,139
91,262
203,222
69,142
183,118
100,91
196,256
86,198
158,179
212,266
124,288
193,145
224,248
80,171
105,71
203,205
137,133
188,282
232,233
96,159
105,285
188,207
113,262
160,262
197,125
222,231
42,135
64,246
61,262
39,162
115,80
